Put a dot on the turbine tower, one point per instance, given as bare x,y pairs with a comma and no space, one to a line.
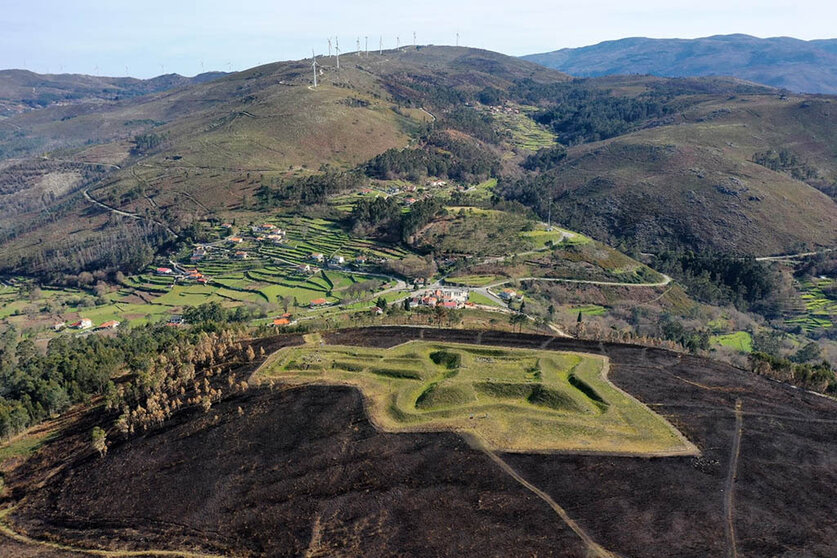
381,45
415,44
358,47
397,42
314,65
366,45
337,52
329,46
457,38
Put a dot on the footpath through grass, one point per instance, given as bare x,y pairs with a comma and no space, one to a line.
514,399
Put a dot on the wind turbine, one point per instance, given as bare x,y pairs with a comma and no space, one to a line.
415,44
381,45
397,42
358,47
457,38
314,65
329,46
366,45
337,52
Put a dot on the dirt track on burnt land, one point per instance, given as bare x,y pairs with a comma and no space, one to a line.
301,471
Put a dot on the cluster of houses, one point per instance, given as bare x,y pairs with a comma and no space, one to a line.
86,323
185,274
451,299
269,232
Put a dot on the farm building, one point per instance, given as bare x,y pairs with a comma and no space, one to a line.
164,271
318,302
317,257
84,323
112,324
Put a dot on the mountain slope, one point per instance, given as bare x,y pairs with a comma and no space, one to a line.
784,62
689,179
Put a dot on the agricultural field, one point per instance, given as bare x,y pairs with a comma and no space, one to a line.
520,131
820,310
514,400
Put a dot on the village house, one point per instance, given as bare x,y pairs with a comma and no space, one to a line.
235,240
84,323
198,254
318,302
509,295
337,260
164,271
304,269
240,255
112,324
317,257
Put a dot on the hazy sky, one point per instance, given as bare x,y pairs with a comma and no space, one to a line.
149,36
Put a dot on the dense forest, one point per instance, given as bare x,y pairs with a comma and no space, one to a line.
721,279
441,155
579,114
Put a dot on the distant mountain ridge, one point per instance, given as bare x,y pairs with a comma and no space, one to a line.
22,90
783,62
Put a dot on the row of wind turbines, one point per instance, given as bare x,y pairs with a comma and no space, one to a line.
360,53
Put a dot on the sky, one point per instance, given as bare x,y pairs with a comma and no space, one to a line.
148,37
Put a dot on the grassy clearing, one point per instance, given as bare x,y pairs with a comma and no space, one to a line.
479,298
591,310
741,341
516,400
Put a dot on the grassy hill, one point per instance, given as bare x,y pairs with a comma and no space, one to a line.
803,66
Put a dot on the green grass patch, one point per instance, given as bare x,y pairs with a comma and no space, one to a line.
514,399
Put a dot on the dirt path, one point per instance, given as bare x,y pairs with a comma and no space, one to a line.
729,486
594,548
7,531
94,201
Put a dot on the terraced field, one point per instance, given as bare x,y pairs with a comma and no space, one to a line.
514,400
819,309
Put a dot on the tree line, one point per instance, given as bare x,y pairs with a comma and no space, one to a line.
132,370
